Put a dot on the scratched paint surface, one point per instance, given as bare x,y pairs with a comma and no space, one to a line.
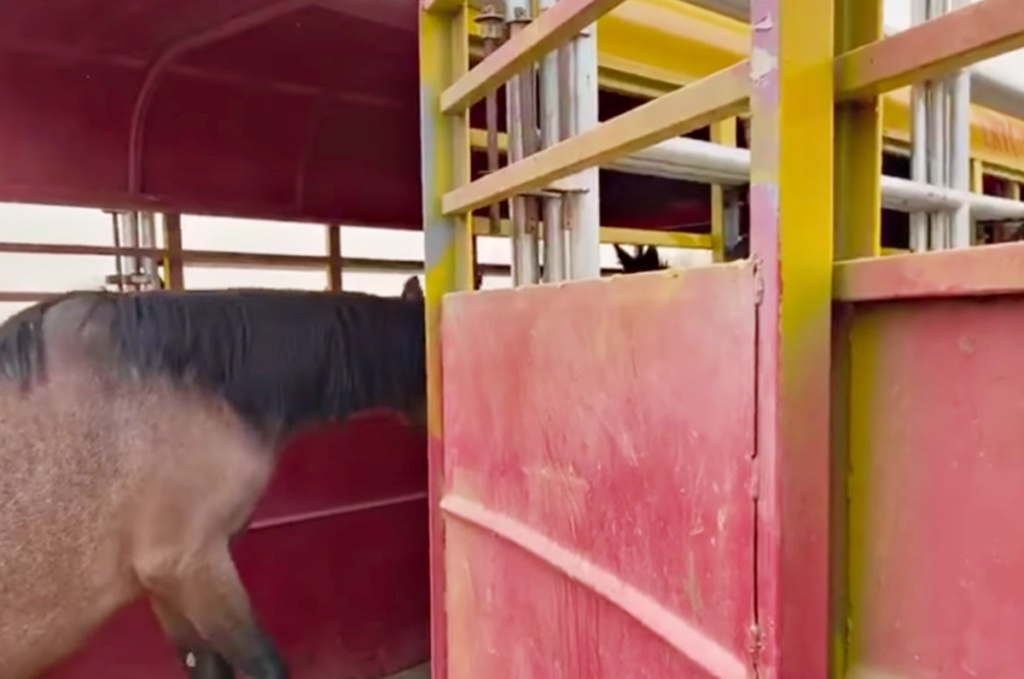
936,550
598,474
343,593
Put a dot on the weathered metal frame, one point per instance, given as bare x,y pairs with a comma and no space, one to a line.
933,49
857,234
791,203
805,213
444,157
549,31
718,96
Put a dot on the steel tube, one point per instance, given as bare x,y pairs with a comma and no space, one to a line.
524,262
585,227
919,140
551,133
959,90
701,161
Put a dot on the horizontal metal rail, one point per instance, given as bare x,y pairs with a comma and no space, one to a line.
703,162
552,29
720,95
932,49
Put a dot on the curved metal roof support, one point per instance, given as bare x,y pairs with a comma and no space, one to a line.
151,80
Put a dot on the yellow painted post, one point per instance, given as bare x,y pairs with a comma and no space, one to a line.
977,186
722,132
857,224
444,150
791,192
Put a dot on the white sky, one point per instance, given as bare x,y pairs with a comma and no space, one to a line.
61,225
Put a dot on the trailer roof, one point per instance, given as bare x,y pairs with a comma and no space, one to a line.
276,109
290,109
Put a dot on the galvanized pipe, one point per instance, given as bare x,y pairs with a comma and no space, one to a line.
583,221
959,90
524,253
492,30
551,133
147,239
701,161
919,140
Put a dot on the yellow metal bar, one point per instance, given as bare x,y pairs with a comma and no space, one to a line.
933,49
698,105
791,193
550,30
722,132
620,235
977,176
442,6
650,47
857,233
977,186
858,145
444,159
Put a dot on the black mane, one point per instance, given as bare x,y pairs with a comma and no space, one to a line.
281,359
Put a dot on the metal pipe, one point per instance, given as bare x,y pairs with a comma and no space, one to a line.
938,141
147,239
959,88
492,30
701,161
551,134
585,225
531,144
130,239
919,140
524,261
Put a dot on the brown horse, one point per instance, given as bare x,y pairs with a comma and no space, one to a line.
138,433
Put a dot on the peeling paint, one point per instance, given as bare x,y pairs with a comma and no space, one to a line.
762,63
765,24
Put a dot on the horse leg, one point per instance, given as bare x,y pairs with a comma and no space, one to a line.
197,657
208,592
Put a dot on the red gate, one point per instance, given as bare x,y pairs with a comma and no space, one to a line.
597,479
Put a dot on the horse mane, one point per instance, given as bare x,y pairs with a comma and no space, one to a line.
279,358
645,258
22,358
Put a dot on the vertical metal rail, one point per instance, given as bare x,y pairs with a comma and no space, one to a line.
937,99
551,104
857,234
724,204
791,193
919,221
174,267
959,170
335,263
492,31
520,137
583,212
444,158
147,239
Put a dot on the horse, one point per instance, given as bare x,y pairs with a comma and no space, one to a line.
647,257
139,431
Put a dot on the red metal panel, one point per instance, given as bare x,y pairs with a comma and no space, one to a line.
598,478
336,564
936,539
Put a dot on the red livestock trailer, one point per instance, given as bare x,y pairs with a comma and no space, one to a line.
797,466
